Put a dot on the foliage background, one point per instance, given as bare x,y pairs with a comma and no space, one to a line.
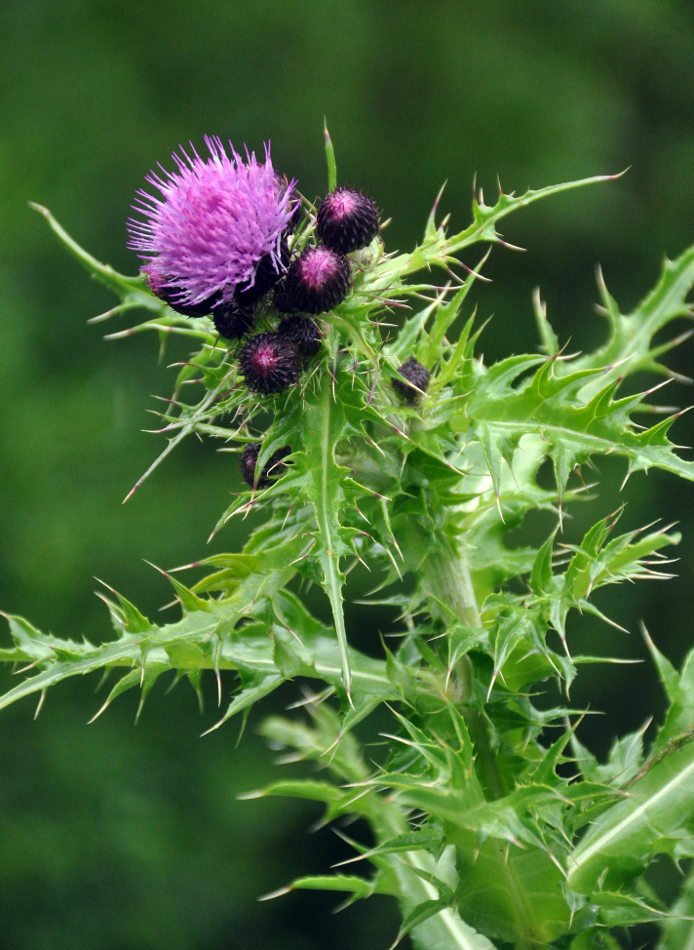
121,836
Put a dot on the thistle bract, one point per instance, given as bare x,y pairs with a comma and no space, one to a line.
170,293
266,276
213,223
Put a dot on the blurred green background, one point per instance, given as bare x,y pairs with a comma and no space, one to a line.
124,836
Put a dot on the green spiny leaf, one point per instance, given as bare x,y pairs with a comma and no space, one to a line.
657,818
322,426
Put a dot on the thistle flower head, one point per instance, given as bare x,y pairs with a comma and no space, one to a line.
212,224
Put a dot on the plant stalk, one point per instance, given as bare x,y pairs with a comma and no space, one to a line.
448,574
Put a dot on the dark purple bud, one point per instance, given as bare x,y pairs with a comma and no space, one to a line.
231,321
249,458
415,375
303,332
316,281
269,362
347,220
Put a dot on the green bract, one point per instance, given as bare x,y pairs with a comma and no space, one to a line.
492,824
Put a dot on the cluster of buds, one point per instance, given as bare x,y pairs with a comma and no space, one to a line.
216,241
316,280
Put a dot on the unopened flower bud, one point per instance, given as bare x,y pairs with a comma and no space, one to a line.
231,321
303,332
269,362
347,220
415,380
316,281
249,459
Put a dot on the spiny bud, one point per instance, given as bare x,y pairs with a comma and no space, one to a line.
269,363
347,220
316,281
249,459
415,375
231,321
303,333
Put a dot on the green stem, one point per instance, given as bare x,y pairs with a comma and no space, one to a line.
448,573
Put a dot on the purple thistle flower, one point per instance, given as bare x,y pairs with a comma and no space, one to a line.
215,221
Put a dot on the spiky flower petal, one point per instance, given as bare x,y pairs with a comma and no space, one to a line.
414,375
303,332
213,224
347,220
249,459
269,363
316,281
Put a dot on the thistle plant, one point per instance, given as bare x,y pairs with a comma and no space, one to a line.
347,383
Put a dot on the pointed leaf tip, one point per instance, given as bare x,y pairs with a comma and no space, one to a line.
330,158
39,208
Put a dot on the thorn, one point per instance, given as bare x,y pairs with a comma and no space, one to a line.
508,245
491,684
40,208
219,686
498,507
280,892
99,712
101,317
132,491
39,705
